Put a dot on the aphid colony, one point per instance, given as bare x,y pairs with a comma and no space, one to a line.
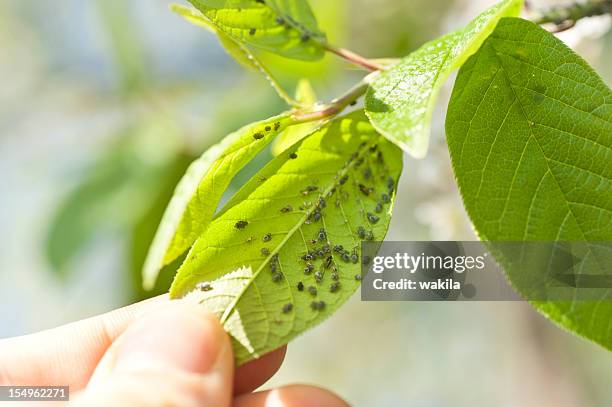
259,134
328,254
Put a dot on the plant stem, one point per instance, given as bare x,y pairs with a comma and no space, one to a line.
354,58
334,107
566,17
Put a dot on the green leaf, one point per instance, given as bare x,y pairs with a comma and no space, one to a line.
198,193
240,52
306,97
298,203
284,27
529,129
401,99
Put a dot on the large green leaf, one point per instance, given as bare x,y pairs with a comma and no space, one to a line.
327,190
400,101
529,129
198,193
285,27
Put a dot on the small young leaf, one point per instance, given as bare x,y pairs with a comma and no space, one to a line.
240,52
400,101
306,97
529,130
198,193
284,27
285,253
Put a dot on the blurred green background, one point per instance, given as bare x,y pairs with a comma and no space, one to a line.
103,103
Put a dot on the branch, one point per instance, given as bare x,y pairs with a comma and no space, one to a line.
567,16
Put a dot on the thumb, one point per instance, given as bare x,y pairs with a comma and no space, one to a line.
177,355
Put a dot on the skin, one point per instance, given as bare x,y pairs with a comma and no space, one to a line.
153,353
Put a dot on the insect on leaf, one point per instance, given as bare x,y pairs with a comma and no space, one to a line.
401,99
286,253
529,130
284,27
198,193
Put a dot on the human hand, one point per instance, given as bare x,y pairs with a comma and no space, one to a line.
154,353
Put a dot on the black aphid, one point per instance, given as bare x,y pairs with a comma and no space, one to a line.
309,268
322,235
280,20
334,276
353,103
385,198
338,248
252,31
343,180
307,257
273,267
267,237
317,305
205,286
354,256
287,307
316,216
370,235
258,136
277,126
367,173
267,128
365,190
241,224
373,148
276,277
373,218
300,286
304,37
345,257
361,232
379,157
265,251
325,249
390,183
358,277
358,163
321,203
379,207
312,290
293,156
274,258
318,276
328,262
334,287
365,260
286,209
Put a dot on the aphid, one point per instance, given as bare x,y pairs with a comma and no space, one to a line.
345,257
354,256
390,184
338,248
309,189
287,307
367,173
307,257
365,190
277,126
320,253
241,224
273,267
318,277
204,286
309,268
312,241
370,235
385,198
328,262
322,235
316,216
361,232
334,276
312,290
379,157
373,148
358,277
343,180
300,286
379,207
334,287
293,156
267,128
317,305
353,103
280,20
321,203
267,237
304,37
365,260
265,251
325,249
276,277
286,209
372,218
258,136
274,258
252,31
